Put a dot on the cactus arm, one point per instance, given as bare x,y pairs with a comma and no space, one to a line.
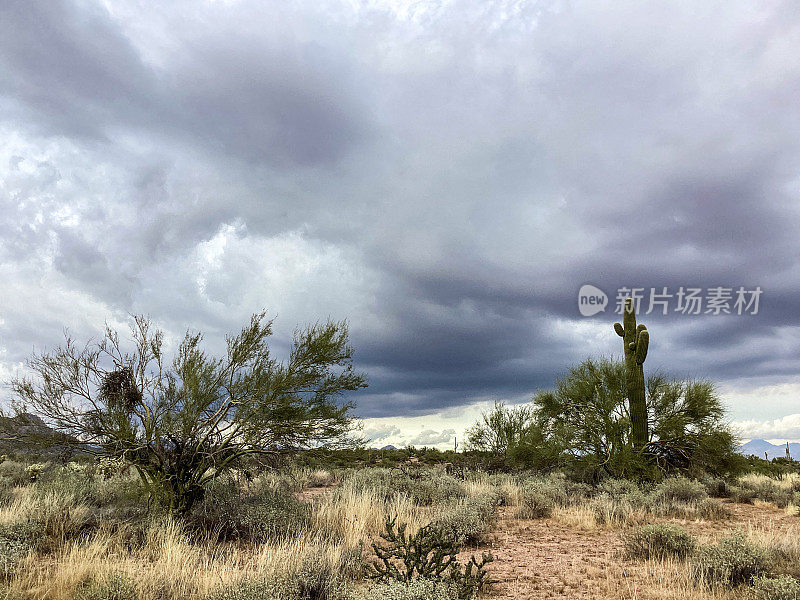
618,328
642,343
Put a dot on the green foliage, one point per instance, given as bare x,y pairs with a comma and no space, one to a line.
742,495
257,517
540,496
468,521
783,587
425,486
113,587
418,589
17,540
314,579
514,436
710,509
182,424
680,489
587,416
428,554
659,540
734,560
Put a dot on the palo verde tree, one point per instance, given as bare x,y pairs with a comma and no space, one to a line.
587,416
512,434
183,423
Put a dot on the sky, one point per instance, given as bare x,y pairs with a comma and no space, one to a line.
445,175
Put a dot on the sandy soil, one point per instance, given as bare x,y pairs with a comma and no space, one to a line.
537,559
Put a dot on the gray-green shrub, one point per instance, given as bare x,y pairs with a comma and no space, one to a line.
680,489
468,521
659,540
418,589
113,587
776,588
734,560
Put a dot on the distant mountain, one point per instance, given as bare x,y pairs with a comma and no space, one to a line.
758,447
389,447
28,434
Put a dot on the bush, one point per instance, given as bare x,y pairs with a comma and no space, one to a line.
315,579
418,589
778,588
660,540
741,495
113,587
541,496
468,522
231,515
732,561
716,487
16,542
710,509
680,489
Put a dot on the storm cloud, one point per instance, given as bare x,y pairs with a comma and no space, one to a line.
444,175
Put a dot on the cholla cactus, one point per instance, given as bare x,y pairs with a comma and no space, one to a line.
636,340
34,471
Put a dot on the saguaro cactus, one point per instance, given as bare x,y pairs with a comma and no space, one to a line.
635,339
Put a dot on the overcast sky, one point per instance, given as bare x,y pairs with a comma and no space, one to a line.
444,175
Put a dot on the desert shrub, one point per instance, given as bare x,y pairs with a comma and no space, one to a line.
734,560
424,486
13,473
17,540
680,489
741,495
710,509
229,514
418,589
315,579
430,489
715,487
659,540
617,488
428,554
113,587
469,520
77,486
776,588
535,505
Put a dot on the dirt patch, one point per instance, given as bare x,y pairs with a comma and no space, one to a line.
549,558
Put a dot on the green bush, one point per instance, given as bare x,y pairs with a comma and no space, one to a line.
541,495
315,579
734,560
710,509
679,489
418,589
716,487
17,540
468,521
659,540
230,515
113,587
777,588
424,486
741,495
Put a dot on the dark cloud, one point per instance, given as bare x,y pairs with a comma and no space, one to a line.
444,176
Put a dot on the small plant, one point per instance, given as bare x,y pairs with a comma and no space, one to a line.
468,522
428,554
113,587
418,589
536,504
16,542
710,509
776,588
741,495
680,489
660,540
734,560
